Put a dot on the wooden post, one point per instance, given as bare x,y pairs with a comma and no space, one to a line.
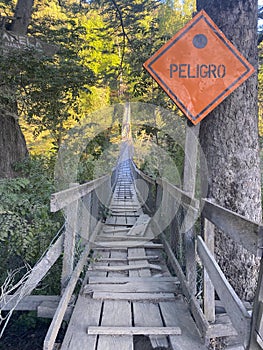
208,288
256,334
69,241
191,151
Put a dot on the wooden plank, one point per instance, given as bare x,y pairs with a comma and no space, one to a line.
132,296
222,327
86,313
28,303
62,307
133,287
176,314
135,258
148,315
38,273
47,309
233,305
113,238
69,240
181,196
125,267
134,331
63,198
118,280
240,229
198,315
126,244
208,288
115,314
115,264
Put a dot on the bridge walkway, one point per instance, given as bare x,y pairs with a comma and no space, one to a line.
129,299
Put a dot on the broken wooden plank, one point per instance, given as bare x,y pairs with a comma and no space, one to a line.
134,331
125,267
116,314
148,315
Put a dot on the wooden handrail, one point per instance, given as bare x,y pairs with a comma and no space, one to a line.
66,296
144,176
63,198
231,302
179,194
243,231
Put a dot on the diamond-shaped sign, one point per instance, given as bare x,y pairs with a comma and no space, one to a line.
199,67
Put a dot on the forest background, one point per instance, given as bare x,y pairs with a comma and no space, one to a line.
102,46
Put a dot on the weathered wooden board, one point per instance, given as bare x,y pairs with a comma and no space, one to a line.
135,258
133,287
95,267
134,330
126,244
148,315
233,305
198,315
115,272
243,231
176,314
116,314
133,296
124,280
28,303
86,313
61,199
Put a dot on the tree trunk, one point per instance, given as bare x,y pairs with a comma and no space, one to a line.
229,139
22,16
12,142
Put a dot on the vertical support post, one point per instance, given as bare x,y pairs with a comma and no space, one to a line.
191,151
208,288
69,241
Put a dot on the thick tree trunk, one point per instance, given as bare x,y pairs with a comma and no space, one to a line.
22,16
12,142
229,138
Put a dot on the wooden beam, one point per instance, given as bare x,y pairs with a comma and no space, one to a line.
69,240
38,273
240,229
180,195
61,199
125,267
130,279
208,288
198,315
133,330
233,305
156,297
28,303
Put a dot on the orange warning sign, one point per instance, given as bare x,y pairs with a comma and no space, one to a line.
199,67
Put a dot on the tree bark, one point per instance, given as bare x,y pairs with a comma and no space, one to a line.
22,16
229,139
12,142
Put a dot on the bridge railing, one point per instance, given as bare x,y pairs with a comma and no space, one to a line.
82,205
182,212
